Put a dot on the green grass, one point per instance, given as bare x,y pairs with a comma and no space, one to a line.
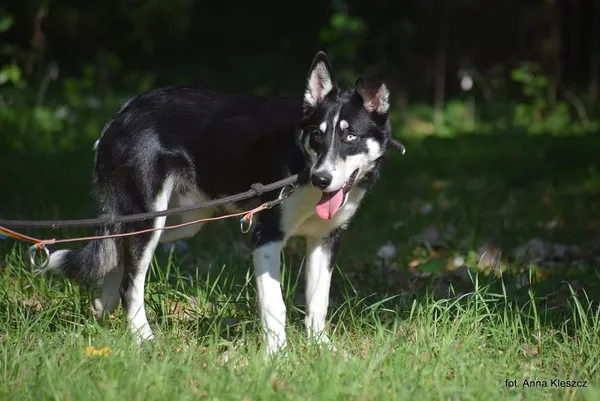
397,336
462,348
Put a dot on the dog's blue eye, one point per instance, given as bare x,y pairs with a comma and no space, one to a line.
348,137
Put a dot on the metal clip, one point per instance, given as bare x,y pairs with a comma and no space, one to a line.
32,251
246,220
285,193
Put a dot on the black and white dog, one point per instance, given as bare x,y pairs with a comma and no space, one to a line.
181,145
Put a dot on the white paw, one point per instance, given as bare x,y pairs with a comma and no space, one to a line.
319,338
142,334
101,309
275,344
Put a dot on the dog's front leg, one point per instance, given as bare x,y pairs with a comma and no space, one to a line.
321,254
270,298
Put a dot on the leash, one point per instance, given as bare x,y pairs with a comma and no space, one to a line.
255,190
287,186
40,244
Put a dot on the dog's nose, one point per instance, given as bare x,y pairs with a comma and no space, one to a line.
321,180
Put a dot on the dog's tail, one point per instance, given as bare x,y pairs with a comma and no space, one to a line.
88,264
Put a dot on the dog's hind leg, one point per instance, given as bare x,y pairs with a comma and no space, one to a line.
185,198
321,254
138,251
109,297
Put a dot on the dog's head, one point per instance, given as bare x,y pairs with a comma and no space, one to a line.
344,134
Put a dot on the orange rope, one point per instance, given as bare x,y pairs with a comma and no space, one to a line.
39,244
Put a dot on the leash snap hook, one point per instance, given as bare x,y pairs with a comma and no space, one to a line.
246,220
46,256
285,193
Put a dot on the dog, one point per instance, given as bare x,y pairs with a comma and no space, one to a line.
180,145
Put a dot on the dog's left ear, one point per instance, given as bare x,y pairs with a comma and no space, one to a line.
319,82
375,100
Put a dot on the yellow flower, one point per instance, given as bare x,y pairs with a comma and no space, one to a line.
92,351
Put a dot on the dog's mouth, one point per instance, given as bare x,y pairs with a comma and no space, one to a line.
331,202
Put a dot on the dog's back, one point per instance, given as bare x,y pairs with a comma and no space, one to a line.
235,140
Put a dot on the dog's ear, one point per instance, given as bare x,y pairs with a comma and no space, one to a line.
375,100
319,82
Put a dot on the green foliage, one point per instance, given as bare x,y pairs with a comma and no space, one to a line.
350,37
343,38
529,113
10,73
536,114
6,22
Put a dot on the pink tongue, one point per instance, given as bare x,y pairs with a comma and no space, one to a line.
329,204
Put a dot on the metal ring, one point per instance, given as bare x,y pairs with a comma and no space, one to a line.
32,252
245,226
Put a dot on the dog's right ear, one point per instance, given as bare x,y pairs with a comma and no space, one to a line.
375,100
319,82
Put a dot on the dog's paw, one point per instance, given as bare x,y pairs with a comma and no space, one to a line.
142,335
101,310
319,338
276,350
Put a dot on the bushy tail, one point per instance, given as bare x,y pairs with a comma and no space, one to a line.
88,264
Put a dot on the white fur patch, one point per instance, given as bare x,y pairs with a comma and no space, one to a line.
323,126
344,124
181,199
55,262
375,151
270,299
319,85
318,280
336,118
299,215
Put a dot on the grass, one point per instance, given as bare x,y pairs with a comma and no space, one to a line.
446,349
398,334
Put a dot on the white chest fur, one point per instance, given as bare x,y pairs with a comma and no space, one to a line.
299,216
